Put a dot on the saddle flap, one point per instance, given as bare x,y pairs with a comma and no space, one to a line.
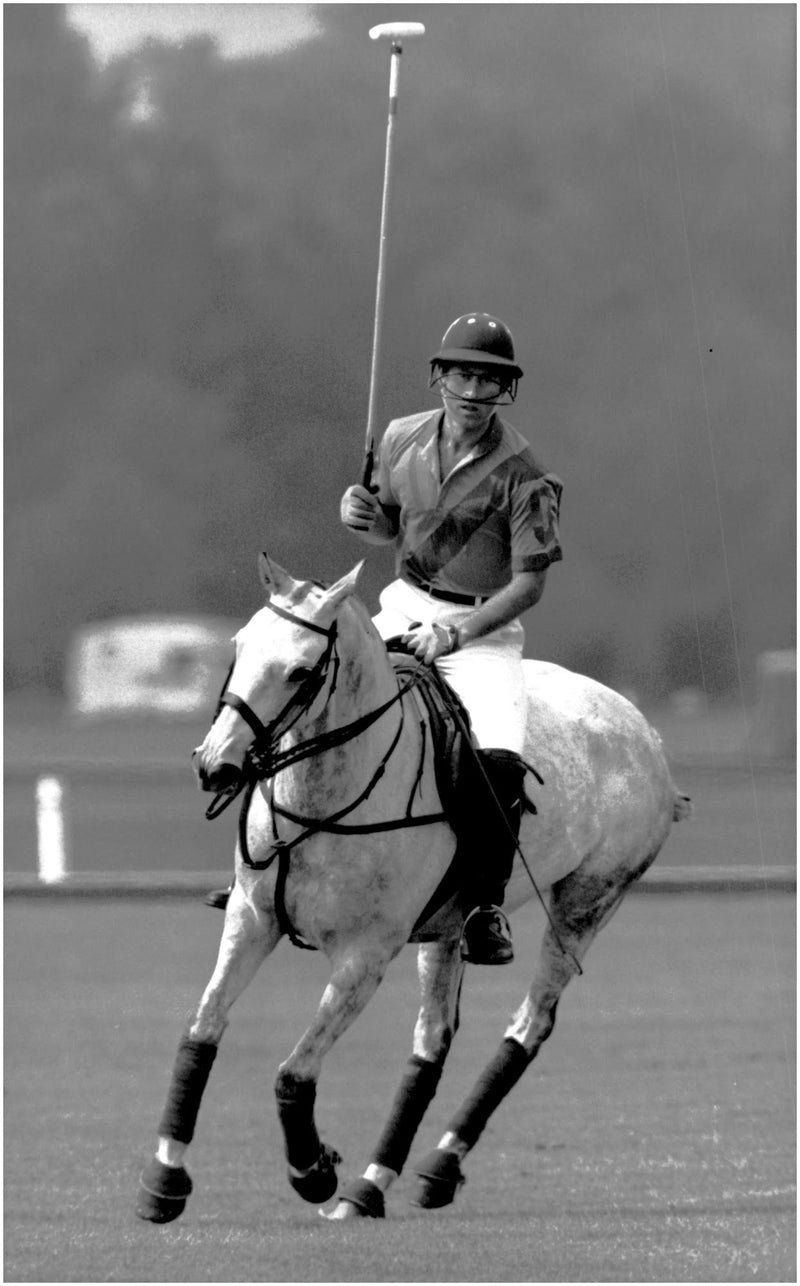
451,735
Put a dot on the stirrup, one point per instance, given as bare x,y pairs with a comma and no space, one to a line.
486,937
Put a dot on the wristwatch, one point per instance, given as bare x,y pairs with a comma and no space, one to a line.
452,633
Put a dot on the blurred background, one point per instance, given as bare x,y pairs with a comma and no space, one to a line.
192,198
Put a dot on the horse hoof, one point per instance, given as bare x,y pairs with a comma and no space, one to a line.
342,1211
320,1182
364,1199
163,1190
440,1177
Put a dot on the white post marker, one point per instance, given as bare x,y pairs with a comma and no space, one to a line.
50,830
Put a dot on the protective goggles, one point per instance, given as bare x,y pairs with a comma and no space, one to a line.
473,384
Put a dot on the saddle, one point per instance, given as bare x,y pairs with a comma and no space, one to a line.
459,780
450,730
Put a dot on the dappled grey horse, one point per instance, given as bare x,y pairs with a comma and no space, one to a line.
343,845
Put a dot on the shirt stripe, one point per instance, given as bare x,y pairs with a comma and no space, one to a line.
495,514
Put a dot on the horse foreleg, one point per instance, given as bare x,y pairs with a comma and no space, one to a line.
246,940
311,1163
441,972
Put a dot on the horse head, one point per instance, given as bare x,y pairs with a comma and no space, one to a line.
284,654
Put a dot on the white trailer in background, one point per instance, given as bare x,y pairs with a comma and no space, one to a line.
773,735
151,665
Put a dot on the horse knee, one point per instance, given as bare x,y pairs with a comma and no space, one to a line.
209,1023
545,1022
432,1040
207,1033
532,1028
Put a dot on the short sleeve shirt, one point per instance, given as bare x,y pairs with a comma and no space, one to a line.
496,512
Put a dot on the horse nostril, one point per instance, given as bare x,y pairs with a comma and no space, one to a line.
220,778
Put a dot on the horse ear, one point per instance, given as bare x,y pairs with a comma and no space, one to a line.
273,577
344,587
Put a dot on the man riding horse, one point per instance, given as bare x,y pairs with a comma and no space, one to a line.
347,852
474,520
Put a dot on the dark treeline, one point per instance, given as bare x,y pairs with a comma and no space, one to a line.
190,255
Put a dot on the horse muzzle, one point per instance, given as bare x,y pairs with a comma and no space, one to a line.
223,776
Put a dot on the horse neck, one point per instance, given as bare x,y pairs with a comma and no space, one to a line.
365,680
366,676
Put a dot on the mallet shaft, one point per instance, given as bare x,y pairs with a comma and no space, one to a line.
396,32
380,286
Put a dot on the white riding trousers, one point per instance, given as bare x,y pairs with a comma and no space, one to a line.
486,674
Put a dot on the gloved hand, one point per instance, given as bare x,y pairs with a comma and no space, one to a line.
360,508
429,642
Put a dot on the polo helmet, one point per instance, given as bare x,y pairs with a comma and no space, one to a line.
479,338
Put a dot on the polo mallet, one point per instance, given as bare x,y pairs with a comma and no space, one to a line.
396,32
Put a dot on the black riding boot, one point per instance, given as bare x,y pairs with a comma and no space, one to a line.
487,935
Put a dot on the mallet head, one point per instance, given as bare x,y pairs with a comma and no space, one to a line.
397,32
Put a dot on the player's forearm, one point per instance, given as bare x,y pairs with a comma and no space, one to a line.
522,592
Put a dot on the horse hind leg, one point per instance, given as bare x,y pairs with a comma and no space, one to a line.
248,937
577,913
441,972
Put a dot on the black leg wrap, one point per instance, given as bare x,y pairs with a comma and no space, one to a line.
193,1064
296,1115
440,1177
412,1100
320,1182
163,1190
366,1197
489,1090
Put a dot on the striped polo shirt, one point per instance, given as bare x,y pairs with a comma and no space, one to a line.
496,513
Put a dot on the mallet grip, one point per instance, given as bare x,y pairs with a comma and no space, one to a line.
369,464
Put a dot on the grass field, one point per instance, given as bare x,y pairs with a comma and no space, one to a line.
652,1141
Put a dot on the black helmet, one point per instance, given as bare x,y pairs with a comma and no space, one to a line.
479,338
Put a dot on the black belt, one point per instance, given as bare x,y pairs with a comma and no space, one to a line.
467,600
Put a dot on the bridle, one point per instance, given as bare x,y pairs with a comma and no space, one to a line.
263,760
261,756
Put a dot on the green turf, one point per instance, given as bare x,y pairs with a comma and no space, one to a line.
652,1141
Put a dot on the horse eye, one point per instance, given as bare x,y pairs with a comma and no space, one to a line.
299,675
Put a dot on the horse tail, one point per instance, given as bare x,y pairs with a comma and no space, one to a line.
682,807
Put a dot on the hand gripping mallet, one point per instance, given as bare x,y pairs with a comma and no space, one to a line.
396,32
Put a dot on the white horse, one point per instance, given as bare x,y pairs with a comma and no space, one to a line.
343,845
